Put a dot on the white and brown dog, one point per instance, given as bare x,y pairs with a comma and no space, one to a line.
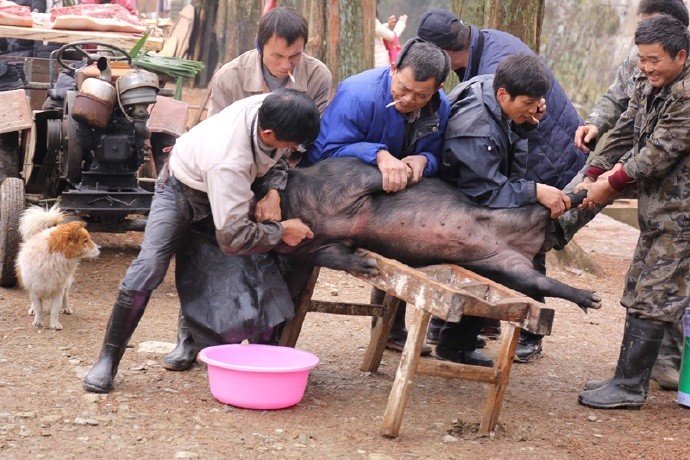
48,258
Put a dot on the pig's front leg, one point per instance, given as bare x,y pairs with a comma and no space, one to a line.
339,256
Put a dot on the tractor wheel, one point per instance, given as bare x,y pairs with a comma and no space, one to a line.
11,207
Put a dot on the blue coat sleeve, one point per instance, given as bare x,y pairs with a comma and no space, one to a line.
343,128
479,174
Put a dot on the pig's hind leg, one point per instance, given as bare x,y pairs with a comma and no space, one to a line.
518,273
340,256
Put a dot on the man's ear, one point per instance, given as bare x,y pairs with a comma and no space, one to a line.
501,94
267,135
440,87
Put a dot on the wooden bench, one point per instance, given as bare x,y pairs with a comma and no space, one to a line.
446,291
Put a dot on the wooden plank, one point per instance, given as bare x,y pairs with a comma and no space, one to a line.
402,385
290,333
345,308
123,40
451,370
504,362
381,328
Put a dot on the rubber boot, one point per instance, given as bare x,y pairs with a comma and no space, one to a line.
183,356
630,383
128,310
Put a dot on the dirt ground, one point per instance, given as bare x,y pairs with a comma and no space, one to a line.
154,413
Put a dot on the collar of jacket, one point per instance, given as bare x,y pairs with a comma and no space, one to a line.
256,83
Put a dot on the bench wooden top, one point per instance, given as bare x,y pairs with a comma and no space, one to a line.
449,291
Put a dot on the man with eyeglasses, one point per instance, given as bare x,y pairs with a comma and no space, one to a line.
209,177
392,118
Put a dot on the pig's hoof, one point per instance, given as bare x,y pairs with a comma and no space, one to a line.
591,300
366,265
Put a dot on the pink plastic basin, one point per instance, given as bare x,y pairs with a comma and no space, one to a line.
257,376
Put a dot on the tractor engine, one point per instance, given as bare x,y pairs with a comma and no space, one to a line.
104,132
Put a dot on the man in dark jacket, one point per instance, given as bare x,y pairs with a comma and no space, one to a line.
553,158
485,153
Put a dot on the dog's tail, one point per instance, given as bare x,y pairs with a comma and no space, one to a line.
36,219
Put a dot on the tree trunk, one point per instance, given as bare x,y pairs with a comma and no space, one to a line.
336,34
522,18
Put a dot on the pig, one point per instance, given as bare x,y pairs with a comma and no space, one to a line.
427,223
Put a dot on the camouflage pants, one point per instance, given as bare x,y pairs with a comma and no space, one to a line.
657,283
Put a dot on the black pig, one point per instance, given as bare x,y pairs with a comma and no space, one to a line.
428,223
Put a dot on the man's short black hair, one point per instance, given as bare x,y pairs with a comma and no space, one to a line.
675,8
291,115
284,22
664,30
522,75
425,59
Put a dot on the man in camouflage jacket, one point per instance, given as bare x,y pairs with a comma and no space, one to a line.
603,117
657,287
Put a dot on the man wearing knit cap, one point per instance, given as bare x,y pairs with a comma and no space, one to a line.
553,158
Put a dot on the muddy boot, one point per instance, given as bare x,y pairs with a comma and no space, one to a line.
666,371
183,356
630,383
128,310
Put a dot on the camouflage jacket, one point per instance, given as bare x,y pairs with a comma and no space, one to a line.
655,125
611,105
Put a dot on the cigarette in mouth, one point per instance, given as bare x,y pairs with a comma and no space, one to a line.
391,104
291,77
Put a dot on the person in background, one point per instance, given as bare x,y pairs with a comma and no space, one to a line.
279,61
654,127
553,159
391,117
387,41
603,118
281,37
210,173
485,153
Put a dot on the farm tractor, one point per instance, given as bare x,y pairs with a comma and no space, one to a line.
97,153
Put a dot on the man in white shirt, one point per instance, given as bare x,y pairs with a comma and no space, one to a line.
210,173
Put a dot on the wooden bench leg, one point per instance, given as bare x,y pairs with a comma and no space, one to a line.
379,335
292,328
400,393
494,399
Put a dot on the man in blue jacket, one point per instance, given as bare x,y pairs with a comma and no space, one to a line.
485,154
392,118
553,158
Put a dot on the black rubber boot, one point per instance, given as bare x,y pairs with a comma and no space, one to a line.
630,383
128,310
183,356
